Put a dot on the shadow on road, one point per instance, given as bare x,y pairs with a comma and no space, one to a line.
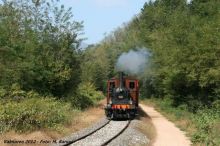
141,114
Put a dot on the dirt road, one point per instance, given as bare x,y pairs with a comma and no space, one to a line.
167,133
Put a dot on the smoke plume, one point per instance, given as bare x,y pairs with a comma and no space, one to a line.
133,62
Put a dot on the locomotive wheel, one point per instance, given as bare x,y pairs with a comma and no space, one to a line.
131,116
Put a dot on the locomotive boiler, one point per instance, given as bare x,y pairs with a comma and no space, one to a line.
122,97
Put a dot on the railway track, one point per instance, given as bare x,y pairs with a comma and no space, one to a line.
102,135
119,133
86,135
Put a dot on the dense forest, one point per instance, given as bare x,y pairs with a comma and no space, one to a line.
183,70
40,61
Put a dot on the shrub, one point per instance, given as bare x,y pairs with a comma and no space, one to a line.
89,90
86,96
3,92
207,121
33,113
13,92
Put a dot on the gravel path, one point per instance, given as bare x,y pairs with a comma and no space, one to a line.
103,134
167,133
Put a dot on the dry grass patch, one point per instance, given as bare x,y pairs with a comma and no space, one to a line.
87,118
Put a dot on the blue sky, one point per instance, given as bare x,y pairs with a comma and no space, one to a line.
103,16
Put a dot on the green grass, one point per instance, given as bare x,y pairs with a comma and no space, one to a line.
203,127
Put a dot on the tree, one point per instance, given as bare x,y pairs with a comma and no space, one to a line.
39,42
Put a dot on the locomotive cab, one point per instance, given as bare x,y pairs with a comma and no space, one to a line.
122,97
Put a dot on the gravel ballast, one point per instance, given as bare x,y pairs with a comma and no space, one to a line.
103,134
81,133
130,137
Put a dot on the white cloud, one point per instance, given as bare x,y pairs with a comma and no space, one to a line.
111,3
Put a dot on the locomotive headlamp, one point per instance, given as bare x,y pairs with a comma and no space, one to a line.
118,90
120,96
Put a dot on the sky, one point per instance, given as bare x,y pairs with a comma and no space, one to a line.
102,16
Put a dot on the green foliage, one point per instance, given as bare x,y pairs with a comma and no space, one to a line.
184,44
207,123
38,46
16,93
95,67
3,92
86,96
183,39
87,89
33,114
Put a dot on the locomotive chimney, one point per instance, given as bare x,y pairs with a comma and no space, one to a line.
121,80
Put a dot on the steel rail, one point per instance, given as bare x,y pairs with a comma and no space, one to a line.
88,134
119,133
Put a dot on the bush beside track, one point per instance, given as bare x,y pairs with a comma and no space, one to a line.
86,96
24,111
33,114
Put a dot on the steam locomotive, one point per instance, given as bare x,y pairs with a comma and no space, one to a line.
122,97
